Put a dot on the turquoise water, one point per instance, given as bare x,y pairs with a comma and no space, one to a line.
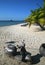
7,23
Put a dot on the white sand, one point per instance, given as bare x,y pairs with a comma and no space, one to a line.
33,37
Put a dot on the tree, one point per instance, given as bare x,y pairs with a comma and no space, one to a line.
37,16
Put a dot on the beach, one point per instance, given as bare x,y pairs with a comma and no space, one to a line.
33,37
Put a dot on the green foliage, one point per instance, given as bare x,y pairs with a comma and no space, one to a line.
37,16
42,21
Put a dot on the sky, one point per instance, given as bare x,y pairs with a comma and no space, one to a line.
17,9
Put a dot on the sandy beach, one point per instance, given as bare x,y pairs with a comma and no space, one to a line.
33,37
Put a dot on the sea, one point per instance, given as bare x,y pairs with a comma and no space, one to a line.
8,23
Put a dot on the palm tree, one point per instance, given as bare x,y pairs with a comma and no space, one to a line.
38,16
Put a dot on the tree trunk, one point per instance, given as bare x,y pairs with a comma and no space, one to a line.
43,28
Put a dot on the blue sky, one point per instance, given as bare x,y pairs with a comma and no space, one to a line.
17,9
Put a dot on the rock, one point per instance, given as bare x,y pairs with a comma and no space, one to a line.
23,53
21,44
28,57
21,47
42,49
10,50
10,42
